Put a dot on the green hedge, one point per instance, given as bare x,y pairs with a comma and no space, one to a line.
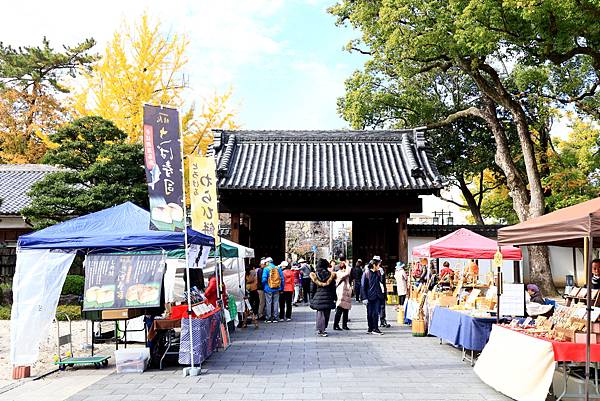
74,312
73,285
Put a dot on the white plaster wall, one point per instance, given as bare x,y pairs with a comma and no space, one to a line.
561,262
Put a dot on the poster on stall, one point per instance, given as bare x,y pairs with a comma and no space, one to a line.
203,195
122,281
164,174
512,300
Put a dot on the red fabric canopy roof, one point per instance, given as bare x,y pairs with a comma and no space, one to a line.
465,244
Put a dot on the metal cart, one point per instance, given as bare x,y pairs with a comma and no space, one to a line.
69,360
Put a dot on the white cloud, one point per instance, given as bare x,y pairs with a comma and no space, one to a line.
228,38
224,35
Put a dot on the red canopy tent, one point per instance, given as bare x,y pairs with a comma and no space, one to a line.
465,244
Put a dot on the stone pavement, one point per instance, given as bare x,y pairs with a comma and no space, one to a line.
286,361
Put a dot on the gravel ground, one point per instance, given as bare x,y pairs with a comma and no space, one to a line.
48,348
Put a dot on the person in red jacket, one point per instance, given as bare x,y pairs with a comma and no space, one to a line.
287,295
211,292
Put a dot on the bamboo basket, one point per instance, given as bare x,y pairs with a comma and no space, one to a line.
418,327
400,315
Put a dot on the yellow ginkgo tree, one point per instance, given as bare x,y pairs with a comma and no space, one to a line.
140,65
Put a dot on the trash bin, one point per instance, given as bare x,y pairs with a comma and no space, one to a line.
570,282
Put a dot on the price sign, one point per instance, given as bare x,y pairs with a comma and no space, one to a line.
498,259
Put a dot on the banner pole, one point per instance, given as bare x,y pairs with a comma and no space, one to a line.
192,371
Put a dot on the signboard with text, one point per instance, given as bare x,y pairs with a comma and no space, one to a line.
123,281
203,195
512,300
163,165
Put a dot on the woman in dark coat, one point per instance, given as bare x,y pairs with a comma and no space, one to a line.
535,294
323,295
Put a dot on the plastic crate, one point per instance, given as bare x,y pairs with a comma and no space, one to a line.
132,360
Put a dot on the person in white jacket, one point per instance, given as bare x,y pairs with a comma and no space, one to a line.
401,281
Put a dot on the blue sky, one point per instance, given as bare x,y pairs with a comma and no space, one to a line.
298,86
284,59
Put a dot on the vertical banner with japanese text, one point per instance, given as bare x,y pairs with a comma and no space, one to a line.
203,195
163,165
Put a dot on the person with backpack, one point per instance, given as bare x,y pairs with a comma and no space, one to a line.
287,295
372,294
323,295
272,279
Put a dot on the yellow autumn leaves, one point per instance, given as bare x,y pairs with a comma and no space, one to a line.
141,65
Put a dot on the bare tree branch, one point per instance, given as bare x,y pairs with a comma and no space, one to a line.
454,202
470,112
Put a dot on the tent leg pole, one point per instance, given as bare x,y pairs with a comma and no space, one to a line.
589,249
575,267
191,371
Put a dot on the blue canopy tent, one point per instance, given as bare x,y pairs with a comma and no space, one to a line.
44,258
122,227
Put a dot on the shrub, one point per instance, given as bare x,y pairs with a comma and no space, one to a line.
74,312
73,285
4,312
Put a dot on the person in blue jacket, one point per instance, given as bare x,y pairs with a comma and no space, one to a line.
272,285
372,294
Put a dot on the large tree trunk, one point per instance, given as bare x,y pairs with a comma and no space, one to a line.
539,271
539,260
474,207
492,86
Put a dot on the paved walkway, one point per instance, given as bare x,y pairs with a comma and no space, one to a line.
286,361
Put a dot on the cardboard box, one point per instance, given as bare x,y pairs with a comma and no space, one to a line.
447,300
581,338
121,314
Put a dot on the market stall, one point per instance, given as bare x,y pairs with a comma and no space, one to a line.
461,329
44,258
470,320
576,226
229,255
527,362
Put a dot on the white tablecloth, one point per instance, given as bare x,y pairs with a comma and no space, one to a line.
517,365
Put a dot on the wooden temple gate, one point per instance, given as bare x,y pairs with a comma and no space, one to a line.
372,178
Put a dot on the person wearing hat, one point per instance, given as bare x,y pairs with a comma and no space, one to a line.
272,279
535,294
285,297
401,281
305,269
